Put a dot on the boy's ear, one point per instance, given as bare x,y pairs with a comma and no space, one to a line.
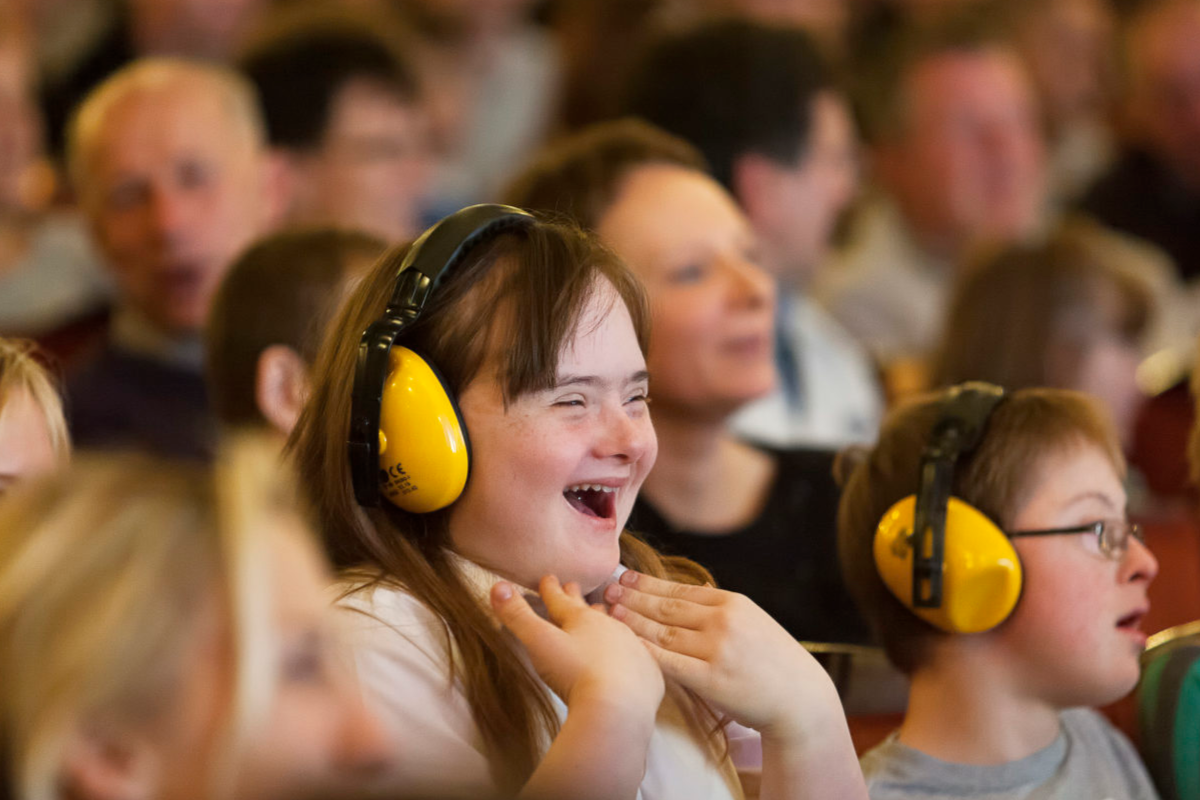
107,763
281,386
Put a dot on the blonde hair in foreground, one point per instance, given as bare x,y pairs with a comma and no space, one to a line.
20,371
105,569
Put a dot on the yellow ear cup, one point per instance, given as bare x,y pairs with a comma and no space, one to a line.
423,457
981,578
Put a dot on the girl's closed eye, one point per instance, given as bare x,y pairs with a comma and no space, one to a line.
639,396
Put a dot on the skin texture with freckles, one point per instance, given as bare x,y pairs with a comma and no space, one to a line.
513,517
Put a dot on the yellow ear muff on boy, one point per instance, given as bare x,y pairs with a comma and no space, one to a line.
981,572
423,456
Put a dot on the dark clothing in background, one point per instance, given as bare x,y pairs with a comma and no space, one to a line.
119,400
786,560
1142,196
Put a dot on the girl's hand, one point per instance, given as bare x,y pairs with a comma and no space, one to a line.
725,648
581,654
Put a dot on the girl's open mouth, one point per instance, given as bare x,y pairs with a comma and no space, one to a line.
592,499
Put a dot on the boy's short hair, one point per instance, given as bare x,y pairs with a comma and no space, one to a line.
300,64
997,478
282,291
579,177
880,78
732,87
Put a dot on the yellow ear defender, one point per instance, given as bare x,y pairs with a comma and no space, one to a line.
945,560
407,439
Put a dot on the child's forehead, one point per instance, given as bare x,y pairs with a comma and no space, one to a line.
1078,480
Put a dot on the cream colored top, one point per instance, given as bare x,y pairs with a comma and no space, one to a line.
404,667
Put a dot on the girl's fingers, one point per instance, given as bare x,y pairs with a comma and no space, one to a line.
560,602
668,637
666,610
704,595
515,613
689,672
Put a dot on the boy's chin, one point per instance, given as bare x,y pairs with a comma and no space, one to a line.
1102,691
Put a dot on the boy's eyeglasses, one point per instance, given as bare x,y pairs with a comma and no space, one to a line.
1112,534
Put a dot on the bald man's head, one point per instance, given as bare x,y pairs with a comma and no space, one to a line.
169,164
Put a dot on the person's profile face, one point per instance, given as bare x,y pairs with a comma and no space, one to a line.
311,733
554,474
26,449
318,735
1073,638
176,191
373,165
970,158
712,305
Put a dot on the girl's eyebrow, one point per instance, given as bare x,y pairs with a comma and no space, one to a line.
596,380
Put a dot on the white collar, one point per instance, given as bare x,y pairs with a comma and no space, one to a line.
132,332
480,580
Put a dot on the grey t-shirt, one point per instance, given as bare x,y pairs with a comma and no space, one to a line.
1090,760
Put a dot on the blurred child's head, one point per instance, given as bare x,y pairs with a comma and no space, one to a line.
1074,312
1048,459
269,317
33,433
147,646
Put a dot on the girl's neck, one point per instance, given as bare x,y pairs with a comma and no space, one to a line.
965,710
705,480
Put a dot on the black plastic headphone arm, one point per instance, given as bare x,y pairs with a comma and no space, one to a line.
362,445
929,527
960,429
412,289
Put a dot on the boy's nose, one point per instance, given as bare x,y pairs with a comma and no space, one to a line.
1139,563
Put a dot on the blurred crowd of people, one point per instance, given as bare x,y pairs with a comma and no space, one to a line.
805,216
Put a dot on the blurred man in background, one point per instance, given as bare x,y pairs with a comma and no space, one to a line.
170,165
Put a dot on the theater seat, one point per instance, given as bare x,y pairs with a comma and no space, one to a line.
1168,700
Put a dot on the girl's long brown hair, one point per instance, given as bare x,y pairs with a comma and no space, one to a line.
516,299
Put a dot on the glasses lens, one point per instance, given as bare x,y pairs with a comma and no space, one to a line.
1114,536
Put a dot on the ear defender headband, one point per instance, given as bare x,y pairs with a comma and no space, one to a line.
407,438
941,557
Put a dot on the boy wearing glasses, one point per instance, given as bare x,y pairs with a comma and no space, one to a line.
1004,713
